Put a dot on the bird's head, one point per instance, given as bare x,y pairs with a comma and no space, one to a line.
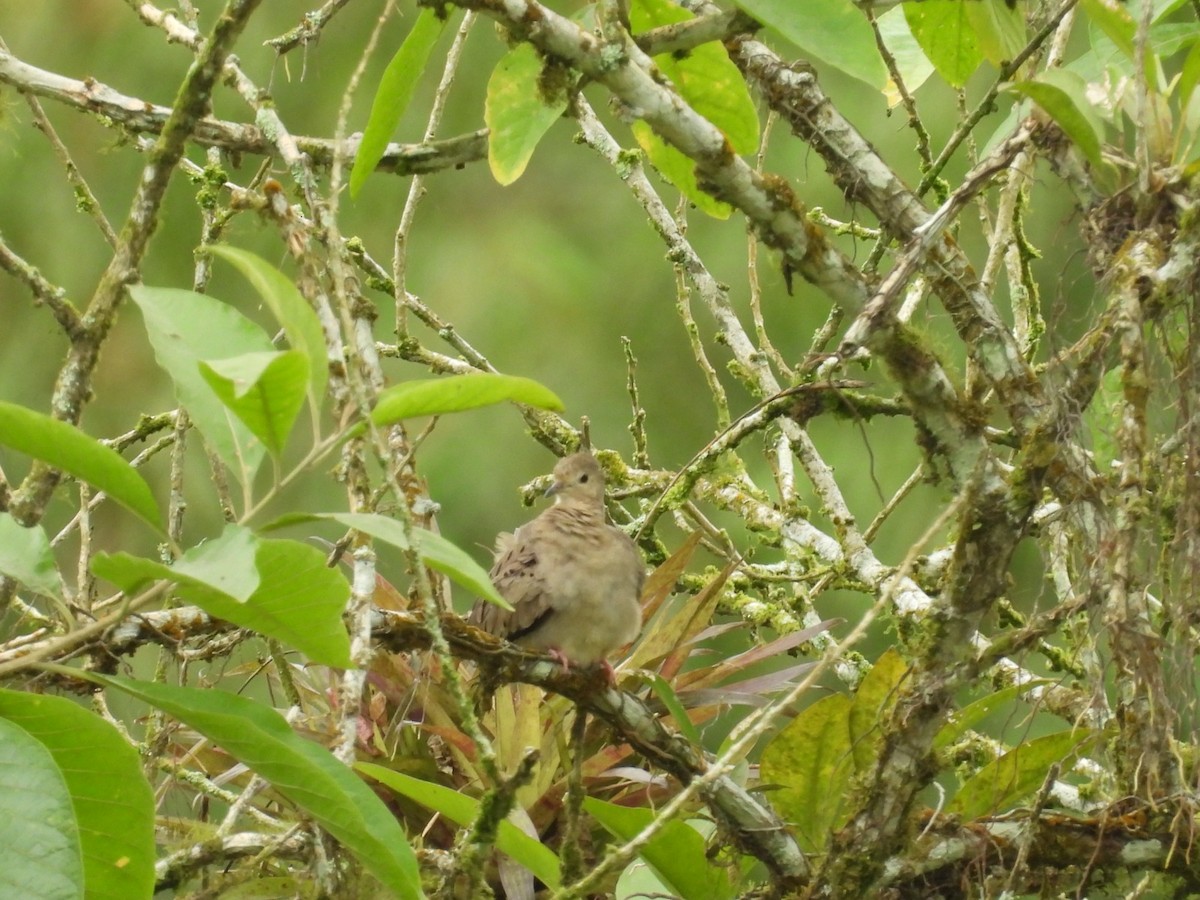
578,481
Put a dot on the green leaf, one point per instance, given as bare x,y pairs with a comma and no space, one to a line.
185,328
712,85
463,811
435,551
65,447
516,115
395,92
666,693
677,853
301,770
1061,95
455,393
264,390
26,556
812,761
946,33
999,30
679,170
291,310
37,823
973,713
834,31
705,77
873,701
911,62
281,589
1017,774
109,820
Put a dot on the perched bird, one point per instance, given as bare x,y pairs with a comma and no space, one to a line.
573,580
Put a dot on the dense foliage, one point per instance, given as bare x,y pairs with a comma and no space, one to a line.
910,446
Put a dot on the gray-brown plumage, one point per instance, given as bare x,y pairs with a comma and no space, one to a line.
573,580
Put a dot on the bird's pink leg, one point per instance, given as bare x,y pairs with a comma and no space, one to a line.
559,657
609,675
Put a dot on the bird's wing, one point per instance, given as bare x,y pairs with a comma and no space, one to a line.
519,580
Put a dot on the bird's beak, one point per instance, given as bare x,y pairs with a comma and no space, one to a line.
555,487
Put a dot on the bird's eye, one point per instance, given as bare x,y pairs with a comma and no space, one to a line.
583,479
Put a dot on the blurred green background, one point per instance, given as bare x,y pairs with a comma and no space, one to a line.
544,277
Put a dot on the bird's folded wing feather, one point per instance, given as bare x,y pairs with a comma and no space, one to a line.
519,580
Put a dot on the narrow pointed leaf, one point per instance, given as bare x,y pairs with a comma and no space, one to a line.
110,819
463,810
1062,95
677,853
395,92
437,552
302,771
65,447
455,393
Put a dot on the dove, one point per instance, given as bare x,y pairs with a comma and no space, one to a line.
573,580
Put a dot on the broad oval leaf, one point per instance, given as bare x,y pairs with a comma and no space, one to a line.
463,810
436,552
26,556
280,589
516,115
946,33
394,94
110,820
291,310
301,770
184,328
37,824
264,390
873,701
455,393
712,85
811,761
65,447
834,31
1017,774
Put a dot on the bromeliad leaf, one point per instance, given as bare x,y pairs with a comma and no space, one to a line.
463,810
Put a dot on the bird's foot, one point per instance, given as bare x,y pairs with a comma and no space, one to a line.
610,676
559,657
